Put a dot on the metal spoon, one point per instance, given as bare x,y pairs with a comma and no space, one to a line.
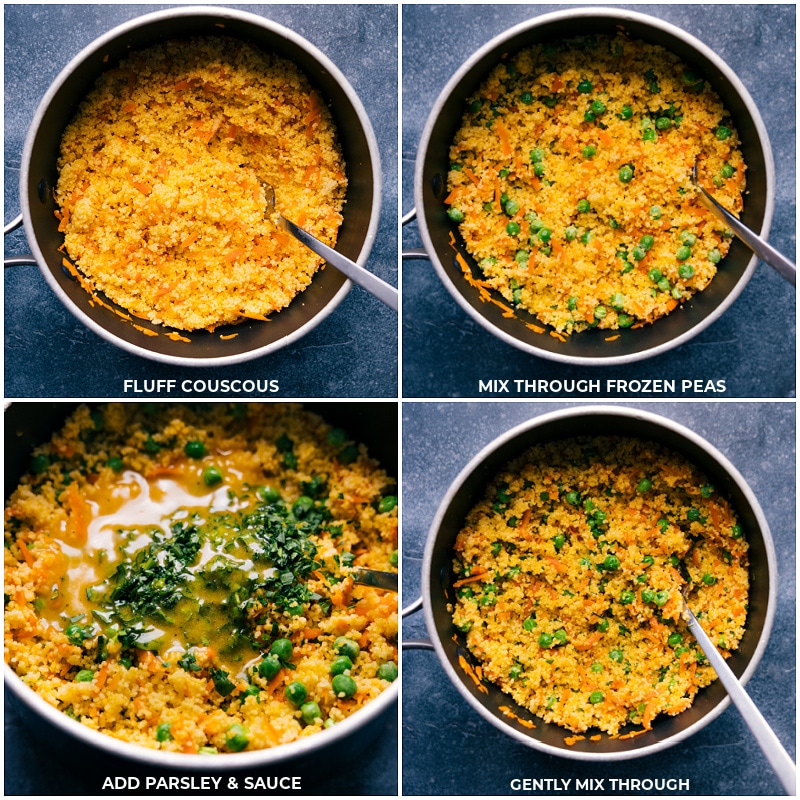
775,752
765,251
372,283
374,577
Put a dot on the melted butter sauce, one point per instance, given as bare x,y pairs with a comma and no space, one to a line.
124,514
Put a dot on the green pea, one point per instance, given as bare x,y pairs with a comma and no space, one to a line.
115,463
683,252
656,212
572,303
693,514
560,636
388,671
346,647
545,234
600,312
302,506
688,238
537,155
662,123
615,655
269,494
708,580
589,151
645,485
526,97
723,132
522,256
344,686
545,639
625,321
296,693
589,116
626,174
626,112
596,667
570,233
728,171
85,676
281,649
455,214
602,626
736,532
163,732
573,498
387,504
627,597
654,274
559,540
194,449
336,437
664,284
661,598
638,252
584,206
686,271
611,562
674,639
585,86
511,207
647,241
40,463
237,738
617,301
269,667
515,671
212,476
529,624
649,135
310,712
475,106
648,595
714,256
340,665
596,697
512,229
597,107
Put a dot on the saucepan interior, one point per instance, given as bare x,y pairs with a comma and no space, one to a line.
468,488
444,243
252,338
30,424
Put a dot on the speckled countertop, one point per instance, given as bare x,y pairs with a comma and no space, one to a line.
49,353
448,749
752,346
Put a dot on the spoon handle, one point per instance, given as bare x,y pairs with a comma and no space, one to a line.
376,578
764,250
775,752
372,283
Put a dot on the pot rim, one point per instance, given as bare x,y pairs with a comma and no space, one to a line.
621,15
218,763
223,13
544,420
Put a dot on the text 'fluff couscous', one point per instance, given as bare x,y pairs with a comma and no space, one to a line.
568,579
160,183
570,182
181,577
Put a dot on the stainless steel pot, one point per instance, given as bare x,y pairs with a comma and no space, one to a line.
38,176
468,488
29,424
590,347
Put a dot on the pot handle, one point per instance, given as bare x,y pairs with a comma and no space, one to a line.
17,261
413,608
415,252
417,644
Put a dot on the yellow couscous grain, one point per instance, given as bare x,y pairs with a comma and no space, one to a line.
568,580
160,182
570,181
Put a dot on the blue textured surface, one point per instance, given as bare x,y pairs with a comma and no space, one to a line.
752,346
48,353
439,439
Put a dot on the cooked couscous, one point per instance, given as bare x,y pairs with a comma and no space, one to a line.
568,579
180,577
570,181
160,183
